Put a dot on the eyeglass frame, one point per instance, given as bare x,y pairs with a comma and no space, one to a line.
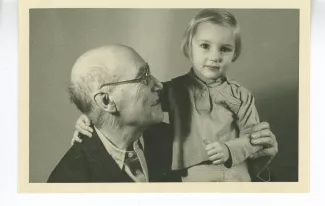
144,78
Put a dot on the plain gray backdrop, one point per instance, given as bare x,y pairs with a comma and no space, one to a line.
268,67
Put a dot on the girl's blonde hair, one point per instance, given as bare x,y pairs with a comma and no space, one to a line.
216,16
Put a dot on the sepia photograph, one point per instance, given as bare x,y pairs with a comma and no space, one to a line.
164,95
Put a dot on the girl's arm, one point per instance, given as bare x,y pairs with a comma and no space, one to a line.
247,117
241,148
237,150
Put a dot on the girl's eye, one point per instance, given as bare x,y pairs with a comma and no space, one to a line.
226,49
205,46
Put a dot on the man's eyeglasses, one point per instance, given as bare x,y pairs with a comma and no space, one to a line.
144,78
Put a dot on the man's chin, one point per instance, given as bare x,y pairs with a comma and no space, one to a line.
160,118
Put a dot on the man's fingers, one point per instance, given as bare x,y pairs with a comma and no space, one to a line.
264,152
261,126
264,141
262,133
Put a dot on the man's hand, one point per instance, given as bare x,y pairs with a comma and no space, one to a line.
263,136
218,152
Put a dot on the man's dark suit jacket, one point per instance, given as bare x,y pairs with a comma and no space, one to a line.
89,161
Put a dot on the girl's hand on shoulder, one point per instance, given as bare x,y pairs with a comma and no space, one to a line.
218,152
82,127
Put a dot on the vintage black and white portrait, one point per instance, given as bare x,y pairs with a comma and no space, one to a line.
163,95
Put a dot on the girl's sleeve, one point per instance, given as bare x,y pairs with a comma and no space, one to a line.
240,148
247,117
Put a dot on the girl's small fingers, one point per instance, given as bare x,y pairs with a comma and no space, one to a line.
82,131
215,157
85,127
212,152
217,162
78,128
216,145
85,119
75,134
88,134
209,147
76,137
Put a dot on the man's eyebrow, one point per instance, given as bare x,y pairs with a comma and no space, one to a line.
142,70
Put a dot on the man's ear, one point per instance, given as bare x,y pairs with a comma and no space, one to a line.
104,101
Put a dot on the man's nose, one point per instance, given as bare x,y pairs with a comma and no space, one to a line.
157,85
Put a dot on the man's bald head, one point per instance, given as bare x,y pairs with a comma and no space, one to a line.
99,66
110,58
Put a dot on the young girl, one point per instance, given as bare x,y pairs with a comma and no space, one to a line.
211,116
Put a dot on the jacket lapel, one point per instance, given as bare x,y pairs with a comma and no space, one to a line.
102,167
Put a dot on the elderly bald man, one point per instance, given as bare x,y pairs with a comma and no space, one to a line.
102,88
113,87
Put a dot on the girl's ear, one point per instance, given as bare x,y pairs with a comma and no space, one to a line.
103,101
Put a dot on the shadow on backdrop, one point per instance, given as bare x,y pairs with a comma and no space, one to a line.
280,109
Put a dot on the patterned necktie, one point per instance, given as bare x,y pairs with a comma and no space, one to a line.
133,164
